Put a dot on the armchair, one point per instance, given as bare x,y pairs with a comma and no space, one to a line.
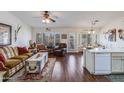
61,50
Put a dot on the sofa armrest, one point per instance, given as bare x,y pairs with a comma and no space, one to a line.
1,75
29,50
32,50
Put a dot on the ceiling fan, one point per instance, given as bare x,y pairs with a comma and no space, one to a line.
47,17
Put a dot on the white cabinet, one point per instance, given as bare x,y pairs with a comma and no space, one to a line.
90,62
102,63
98,63
117,65
117,62
123,63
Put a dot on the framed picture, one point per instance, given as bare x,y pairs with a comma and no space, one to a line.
111,35
121,34
64,36
5,34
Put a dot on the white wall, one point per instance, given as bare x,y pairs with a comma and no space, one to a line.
118,24
24,34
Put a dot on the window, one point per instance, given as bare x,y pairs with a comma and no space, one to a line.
48,38
39,38
84,39
57,38
87,39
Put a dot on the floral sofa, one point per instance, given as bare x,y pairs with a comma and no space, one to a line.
14,61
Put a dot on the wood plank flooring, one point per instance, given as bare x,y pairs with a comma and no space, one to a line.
70,69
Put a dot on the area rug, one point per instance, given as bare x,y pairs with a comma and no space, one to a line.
44,76
116,77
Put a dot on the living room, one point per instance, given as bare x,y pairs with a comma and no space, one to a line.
61,46
68,45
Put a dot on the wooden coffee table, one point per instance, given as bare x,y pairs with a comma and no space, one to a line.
36,63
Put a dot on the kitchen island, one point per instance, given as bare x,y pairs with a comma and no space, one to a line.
100,61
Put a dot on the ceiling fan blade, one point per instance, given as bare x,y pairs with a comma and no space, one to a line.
52,20
36,17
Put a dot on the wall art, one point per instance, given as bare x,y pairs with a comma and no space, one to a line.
5,34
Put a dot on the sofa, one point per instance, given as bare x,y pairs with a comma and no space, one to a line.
42,48
14,61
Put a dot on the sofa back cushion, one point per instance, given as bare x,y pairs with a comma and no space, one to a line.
8,51
15,51
22,50
11,51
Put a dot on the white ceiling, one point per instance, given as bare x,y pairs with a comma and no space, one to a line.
69,18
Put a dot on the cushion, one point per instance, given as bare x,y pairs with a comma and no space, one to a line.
2,66
20,57
2,58
7,52
11,51
10,63
41,47
3,53
15,50
22,50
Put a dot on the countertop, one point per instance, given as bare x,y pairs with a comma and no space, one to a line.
100,50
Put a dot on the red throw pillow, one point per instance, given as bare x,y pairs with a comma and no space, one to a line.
22,50
2,58
2,66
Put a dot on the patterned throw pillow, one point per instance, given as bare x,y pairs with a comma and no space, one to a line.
2,58
3,53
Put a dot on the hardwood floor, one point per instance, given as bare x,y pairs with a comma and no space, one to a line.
70,69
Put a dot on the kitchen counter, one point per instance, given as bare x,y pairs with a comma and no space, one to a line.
100,50
100,61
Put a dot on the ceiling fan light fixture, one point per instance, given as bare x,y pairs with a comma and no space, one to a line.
93,32
47,21
89,32
43,21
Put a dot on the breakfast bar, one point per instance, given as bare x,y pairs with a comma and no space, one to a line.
100,61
